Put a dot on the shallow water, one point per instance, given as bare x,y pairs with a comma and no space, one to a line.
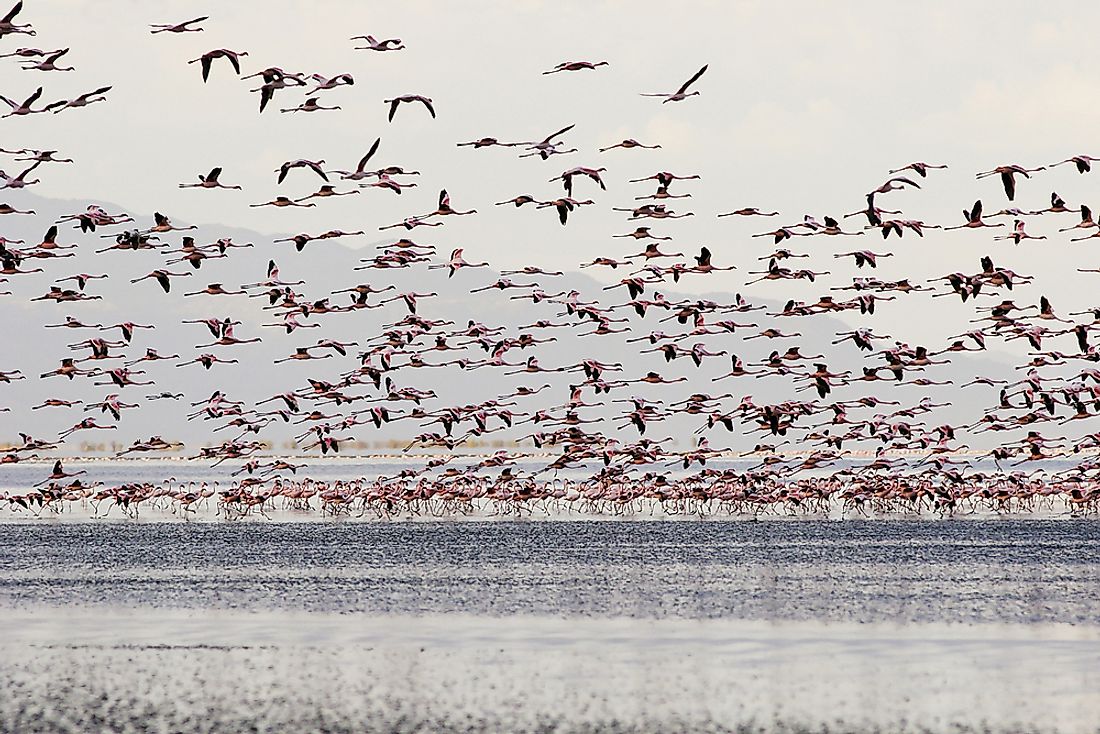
550,626
870,571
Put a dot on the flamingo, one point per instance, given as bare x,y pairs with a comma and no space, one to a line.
920,168
8,26
209,181
1018,234
1083,163
49,63
96,95
1008,176
627,144
388,44
314,166
749,211
324,83
456,262
184,27
162,277
974,218
20,181
215,289
207,59
360,170
24,107
310,105
575,66
396,101
681,93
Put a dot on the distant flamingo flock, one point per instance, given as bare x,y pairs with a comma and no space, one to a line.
458,492
613,465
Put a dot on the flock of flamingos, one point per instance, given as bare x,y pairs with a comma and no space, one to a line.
621,468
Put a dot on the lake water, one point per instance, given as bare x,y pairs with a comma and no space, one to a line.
677,626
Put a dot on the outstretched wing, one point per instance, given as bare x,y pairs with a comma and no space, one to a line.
1009,182
563,131
266,93
373,149
393,108
692,80
428,104
13,12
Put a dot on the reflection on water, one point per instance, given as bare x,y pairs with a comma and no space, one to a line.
560,626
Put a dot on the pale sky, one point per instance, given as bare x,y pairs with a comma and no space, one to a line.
804,108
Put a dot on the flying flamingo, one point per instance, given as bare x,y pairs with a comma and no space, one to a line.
1083,163
393,103
681,93
183,27
24,107
389,44
456,262
83,100
920,168
314,166
20,181
627,144
361,169
208,58
209,181
1008,176
162,277
974,218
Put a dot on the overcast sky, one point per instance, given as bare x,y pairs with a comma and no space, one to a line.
804,109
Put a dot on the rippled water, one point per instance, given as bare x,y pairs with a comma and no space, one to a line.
551,626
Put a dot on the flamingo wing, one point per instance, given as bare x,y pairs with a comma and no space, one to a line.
13,12
692,80
1009,181
370,153
564,130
